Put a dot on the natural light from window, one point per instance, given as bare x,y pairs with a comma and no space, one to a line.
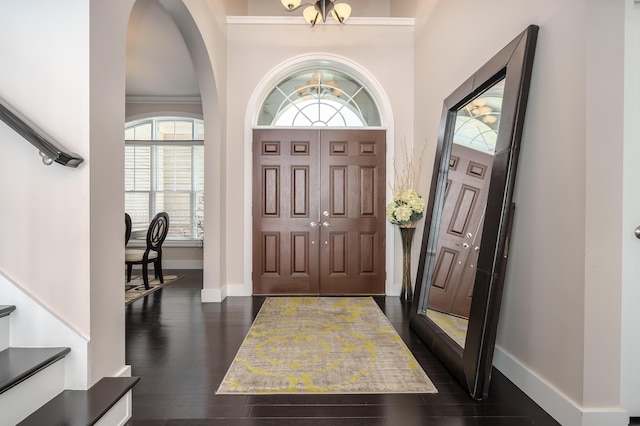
164,171
319,97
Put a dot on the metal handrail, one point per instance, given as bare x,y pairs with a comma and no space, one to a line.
49,150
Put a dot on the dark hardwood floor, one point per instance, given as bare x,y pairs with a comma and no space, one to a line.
182,348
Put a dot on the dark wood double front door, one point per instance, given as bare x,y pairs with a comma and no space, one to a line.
318,211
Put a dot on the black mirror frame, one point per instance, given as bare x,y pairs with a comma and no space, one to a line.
472,365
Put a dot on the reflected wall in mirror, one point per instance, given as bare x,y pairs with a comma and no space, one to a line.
469,214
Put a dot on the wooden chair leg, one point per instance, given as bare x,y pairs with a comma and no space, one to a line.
157,267
129,268
145,275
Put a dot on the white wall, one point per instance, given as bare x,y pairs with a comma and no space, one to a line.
108,31
631,218
385,52
45,75
558,334
58,244
209,54
358,8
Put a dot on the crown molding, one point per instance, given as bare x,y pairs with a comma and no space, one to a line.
299,20
182,100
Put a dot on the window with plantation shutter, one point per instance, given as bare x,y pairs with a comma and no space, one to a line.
164,171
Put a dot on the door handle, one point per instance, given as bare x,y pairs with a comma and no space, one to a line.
637,232
313,224
326,224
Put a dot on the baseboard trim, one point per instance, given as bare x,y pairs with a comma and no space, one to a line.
237,290
183,264
552,400
175,264
215,295
124,372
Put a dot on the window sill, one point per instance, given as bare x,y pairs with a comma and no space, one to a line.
141,243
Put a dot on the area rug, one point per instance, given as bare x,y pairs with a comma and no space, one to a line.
135,290
301,345
454,326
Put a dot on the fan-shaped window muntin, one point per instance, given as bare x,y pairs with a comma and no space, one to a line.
319,97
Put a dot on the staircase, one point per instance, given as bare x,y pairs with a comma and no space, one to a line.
32,388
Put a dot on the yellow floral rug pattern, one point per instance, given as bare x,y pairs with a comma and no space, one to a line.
301,345
455,327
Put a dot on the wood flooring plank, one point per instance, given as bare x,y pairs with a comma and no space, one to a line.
182,348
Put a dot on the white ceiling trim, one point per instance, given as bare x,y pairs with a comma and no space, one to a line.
299,20
187,100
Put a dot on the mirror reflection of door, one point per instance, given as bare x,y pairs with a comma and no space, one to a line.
460,232
319,211
459,239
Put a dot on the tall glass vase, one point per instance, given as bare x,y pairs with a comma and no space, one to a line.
406,294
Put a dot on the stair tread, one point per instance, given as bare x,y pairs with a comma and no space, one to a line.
6,310
18,364
82,408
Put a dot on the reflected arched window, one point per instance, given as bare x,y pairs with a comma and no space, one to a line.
319,97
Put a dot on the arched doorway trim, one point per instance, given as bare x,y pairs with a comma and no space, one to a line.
186,18
258,96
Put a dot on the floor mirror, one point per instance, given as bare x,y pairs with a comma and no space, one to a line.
468,219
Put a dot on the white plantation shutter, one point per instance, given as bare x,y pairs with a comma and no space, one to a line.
166,175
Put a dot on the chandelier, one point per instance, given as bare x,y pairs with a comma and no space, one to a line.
320,10
318,86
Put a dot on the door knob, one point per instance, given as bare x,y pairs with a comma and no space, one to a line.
325,213
637,232
326,224
313,224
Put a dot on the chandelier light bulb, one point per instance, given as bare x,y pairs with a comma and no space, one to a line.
341,12
291,4
311,15
319,10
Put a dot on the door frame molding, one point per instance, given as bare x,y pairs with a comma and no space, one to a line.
253,106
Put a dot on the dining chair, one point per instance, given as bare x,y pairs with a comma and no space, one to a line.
127,228
156,234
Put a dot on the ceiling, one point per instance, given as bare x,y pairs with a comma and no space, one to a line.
158,61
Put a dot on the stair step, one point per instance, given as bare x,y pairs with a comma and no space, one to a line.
6,310
18,364
82,408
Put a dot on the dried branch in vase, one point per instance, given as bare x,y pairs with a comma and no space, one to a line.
407,206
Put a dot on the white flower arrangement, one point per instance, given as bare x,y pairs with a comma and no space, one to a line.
407,206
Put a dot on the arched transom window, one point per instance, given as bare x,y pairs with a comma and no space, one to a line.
319,97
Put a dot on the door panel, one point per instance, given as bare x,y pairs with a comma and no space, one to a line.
285,202
353,205
461,225
335,180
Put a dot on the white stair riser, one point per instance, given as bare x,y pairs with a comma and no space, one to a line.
4,332
119,414
23,399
